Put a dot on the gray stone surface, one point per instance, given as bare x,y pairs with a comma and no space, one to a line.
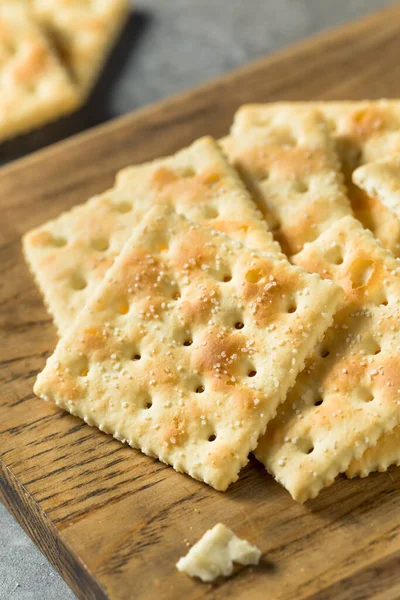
25,574
169,45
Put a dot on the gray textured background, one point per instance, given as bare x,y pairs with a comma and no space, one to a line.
167,46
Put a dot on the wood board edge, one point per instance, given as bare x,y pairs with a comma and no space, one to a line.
47,538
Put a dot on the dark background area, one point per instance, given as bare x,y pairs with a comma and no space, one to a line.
167,46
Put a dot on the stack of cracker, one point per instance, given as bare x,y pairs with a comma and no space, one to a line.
51,52
240,296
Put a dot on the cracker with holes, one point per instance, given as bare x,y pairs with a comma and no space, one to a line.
188,346
348,394
70,255
34,86
363,131
381,180
84,32
366,131
288,161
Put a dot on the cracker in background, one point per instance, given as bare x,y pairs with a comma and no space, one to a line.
188,346
70,255
381,180
348,394
84,32
34,86
288,162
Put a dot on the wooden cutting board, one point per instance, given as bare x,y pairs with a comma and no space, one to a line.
113,521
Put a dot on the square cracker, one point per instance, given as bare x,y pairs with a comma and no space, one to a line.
34,87
70,255
287,159
84,32
381,180
348,394
188,346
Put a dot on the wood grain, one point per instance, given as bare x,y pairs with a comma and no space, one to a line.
112,521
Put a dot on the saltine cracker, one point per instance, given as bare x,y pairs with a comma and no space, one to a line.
189,345
348,394
363,131
380,180
70,255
